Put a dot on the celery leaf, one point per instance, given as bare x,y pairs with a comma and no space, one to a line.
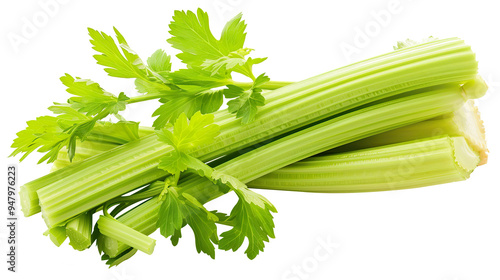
185,136
121,61
246,102
250,218
188,103
177,211
91,99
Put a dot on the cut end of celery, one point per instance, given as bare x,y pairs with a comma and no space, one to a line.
24,201
110,246
465,157
28,207
122,233
79,231
471,126
78,241
57,235
476,88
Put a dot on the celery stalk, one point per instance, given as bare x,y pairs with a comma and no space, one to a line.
411,164
99,141
464,122
86,150
93,181
133,238
313,140
121,258
79,231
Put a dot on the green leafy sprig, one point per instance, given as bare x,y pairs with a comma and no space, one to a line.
251,217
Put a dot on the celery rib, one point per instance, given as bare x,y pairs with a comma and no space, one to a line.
464,122
114,229
79,231
405,165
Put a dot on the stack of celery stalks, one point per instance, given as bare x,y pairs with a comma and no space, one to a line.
404,119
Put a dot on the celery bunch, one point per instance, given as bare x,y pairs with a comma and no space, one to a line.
342,131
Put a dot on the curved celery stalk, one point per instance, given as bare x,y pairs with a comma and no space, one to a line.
79,231
133,238
307,142
399,166
121,258
464,122
100,178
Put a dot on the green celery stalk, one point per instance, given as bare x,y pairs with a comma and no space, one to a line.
117,230
63,195
79,231
121,258
305,143
85,149
405,165
464,122
99,141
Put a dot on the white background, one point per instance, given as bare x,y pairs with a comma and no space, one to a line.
447,232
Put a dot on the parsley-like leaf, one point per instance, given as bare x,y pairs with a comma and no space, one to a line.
202,222
175,162
122,62
246,103
188,103
178,210
210,62
90,98
191,34
185,136
251,218
233,34
43,133
200,49
74,121
171,216
159,62
191,133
